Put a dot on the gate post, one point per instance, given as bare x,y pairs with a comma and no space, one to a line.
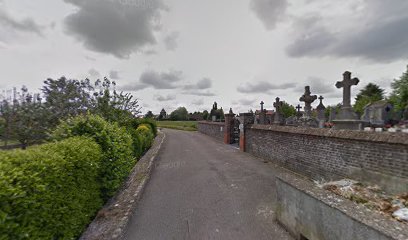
246,119
228,127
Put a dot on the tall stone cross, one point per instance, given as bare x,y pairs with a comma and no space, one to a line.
308,99
346,85
278,105
262,104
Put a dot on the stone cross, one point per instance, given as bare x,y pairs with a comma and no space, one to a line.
321,99
278,119
308,99
321,110
346,85
278,105
298,107
230,111
262,104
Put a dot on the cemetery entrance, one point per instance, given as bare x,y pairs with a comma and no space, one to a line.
236,131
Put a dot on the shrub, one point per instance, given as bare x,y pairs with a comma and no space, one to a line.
137,142
146,133
116,145
49,191
150,122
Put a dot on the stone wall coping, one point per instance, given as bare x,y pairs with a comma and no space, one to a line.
212,123
383,137
358,212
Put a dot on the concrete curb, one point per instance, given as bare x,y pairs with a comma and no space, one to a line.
111,221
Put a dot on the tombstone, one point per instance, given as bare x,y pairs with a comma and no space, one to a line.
298,112
262,114
308,99
278,117
321,110
377,114
347,118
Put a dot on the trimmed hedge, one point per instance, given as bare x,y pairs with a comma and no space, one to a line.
49,191
116,144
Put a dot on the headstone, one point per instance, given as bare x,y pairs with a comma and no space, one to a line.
308,99
347,118
377,114
262,114
321,110
298,112
278,118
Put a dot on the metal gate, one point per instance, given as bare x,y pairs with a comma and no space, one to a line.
235,131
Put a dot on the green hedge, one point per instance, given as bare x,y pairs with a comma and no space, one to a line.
116,144
49,191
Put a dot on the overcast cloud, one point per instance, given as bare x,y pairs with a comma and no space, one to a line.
115,27
172,53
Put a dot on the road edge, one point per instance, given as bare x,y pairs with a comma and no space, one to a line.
111,221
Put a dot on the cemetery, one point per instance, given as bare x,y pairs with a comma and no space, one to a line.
316,150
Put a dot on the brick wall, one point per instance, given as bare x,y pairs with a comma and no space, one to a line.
213,129
375,158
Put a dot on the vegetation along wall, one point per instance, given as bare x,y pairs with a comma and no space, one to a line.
375,158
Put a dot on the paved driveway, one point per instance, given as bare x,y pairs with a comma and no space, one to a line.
203,189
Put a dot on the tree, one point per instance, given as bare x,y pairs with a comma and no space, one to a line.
180,114
205,115
369,94
288,110
399,95
163,114
149,114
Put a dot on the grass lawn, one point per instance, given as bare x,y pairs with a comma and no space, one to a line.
179,125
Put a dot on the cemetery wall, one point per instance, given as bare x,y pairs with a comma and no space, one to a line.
309,212
213,129
376,158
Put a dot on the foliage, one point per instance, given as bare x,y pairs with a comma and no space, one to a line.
399,95
179,125
49,191
149,114
288,110
25,118
145,131
2,127
115,142
328,109
205,115
180,114
163,114
150,122
369,94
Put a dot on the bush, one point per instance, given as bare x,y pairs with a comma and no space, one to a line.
150,122
146,133
137,142
49,191
116,145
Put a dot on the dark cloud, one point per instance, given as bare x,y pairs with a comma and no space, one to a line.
161,80
263,87
170,41
161,98
114,26
204,83
382,35
114,75
28,25
269,11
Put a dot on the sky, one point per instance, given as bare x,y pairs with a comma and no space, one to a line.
172,53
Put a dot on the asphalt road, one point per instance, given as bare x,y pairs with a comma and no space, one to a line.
203,189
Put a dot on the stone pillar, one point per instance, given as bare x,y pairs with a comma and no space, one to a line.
229,127
245,119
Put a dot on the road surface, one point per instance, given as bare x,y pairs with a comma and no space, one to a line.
203,189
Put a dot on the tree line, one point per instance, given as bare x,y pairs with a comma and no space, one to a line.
28,118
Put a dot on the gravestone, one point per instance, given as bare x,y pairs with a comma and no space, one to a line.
262,115
377,114
278,117
308,99
321,116
298,112
347,118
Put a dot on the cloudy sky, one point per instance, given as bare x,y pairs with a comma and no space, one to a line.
172,53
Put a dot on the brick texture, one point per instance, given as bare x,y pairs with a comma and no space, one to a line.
330,155
213,129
